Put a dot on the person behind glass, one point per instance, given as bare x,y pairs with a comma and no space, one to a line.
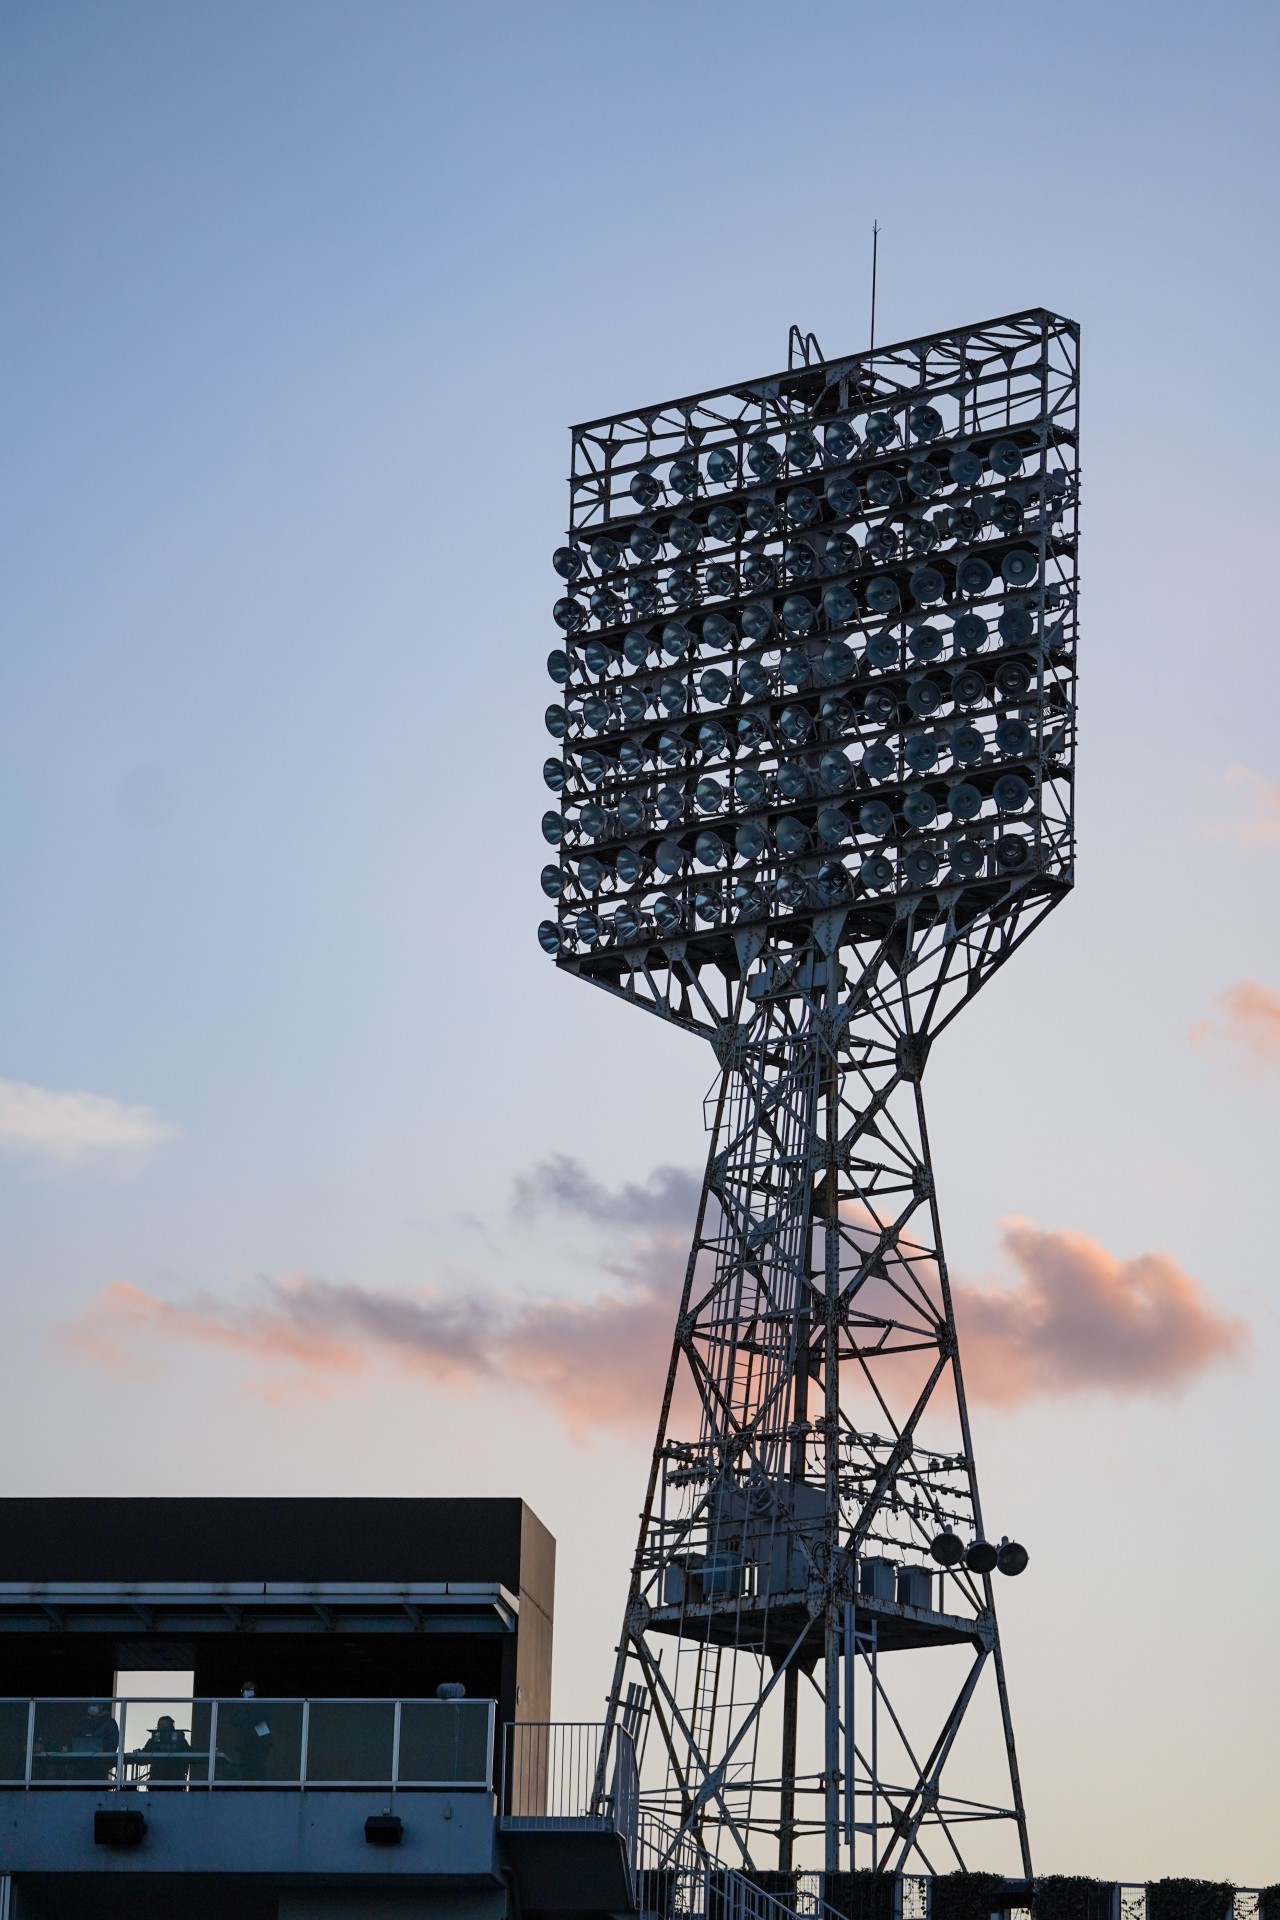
166,1744
98,1738
253,1738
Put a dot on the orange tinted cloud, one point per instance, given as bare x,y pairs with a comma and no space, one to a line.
1244,1021
1258,825
1079,1319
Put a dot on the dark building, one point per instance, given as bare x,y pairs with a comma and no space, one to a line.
356,1726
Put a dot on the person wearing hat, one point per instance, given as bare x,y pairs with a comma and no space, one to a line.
164,1748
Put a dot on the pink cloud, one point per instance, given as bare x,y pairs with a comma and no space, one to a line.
1079,1319
1245,1022
1259,824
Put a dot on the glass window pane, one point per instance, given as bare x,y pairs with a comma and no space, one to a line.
75,1741
259,1740
350,1740
13,1740
444,1741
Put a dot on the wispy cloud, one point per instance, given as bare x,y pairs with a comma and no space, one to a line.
70,1126
1257,820
1243,1022
1080,1320
1077,1320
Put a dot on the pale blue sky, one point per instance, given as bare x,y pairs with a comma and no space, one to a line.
298,300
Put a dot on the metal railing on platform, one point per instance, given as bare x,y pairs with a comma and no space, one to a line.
570,1776
163,1745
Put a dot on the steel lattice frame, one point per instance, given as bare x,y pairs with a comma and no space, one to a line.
752,844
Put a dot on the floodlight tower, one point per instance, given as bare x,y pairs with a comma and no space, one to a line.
815,781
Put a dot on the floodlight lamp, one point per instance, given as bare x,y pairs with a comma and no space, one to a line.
833,826
925,422
549,936
645,543
556,721
920,752
795,724
965,467
593,767
715,686
793,668
1019,567
838,660
920,865
707,901
919,808
754,680
682,585
628,866
596,712
802,506
758,572
591,870
1014,678
757,621
1011,793
567,562
751,731
802,448
684,534
924,643
966,745
722,466
1006,514
793,780
924,696
762,513
634,702
718,633
923,479
882,490
882,543
553,828
876,873
559,665
1006,457
632,813
722,579
880,706
882,429
1016,625
879,762
1012,852
1013,736
667,915
670,802
973,576
631,759
963,523
749,787
928,585
842,497
588,928
837,714
598,657
645,490
569,614
792,836
709,849
968,857
722,525
749,902
801,560
789,891
676,639
882,593
712,739
835,770
606,555
882,648
672,748
968,687
552,882
831,883
752,840
762,457
683,475
673,696
644,596
964,801
840,440
709,795
669,857
839,605
627,923
876,818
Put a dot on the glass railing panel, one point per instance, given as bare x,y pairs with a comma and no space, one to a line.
350,1742
13,1741
444,1743
259,1742
76,1742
